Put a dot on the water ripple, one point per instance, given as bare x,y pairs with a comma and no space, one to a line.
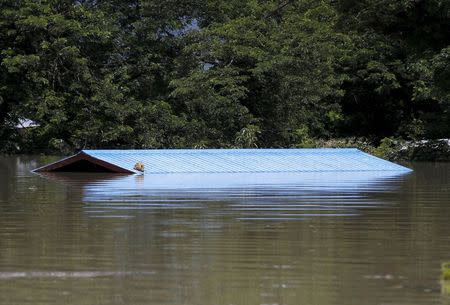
243,196
70,274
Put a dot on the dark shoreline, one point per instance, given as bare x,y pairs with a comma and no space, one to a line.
421,150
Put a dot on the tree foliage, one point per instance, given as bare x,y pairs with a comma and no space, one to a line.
210,73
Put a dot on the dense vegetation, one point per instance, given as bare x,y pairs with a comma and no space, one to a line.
214,73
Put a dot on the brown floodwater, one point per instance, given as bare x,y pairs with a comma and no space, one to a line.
350,238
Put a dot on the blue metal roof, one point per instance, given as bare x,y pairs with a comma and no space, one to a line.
165,161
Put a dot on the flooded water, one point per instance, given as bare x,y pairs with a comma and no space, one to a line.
351,238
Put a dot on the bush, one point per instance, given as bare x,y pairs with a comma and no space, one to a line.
353,142
388,148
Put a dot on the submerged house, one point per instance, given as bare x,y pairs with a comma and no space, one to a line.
26,123
176,161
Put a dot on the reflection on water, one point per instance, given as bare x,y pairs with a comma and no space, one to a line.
350,238
264,197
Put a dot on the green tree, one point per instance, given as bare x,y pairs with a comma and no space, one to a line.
212,73
394,67
277,66
51,57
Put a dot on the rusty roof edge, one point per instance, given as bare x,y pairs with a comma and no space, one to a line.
54,165
81,156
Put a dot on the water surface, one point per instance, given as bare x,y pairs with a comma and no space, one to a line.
352,238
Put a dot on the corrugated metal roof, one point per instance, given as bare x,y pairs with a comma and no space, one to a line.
165,161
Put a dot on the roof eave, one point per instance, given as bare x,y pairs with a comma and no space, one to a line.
82,156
